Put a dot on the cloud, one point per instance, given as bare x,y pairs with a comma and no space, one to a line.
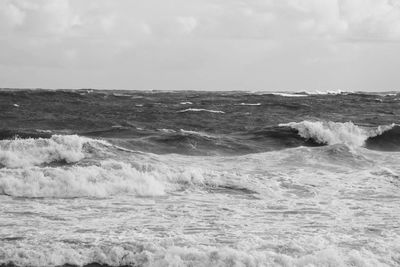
362,20
214,42
372,19
338,19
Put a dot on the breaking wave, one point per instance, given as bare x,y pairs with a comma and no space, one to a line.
37,151
331,133
113,177
72,166
102,180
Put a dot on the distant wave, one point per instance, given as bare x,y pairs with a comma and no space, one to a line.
347,133
329,92
186,103
201,110
120,95
290,95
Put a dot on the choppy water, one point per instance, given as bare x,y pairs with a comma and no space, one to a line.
199,178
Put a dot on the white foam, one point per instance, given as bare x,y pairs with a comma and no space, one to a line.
336,132
250,104
289,95
163,255
28,152
186,103
329,92
200,110
164,130
109,178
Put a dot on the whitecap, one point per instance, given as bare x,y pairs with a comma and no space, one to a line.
31,152
200,110
289,95
328,132
107,179
249,104
166,130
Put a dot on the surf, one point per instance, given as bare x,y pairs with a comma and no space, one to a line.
383,137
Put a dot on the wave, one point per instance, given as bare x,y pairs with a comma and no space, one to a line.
143,175
290,95
102,180
329,92
388,140
331,133
200,110
37,151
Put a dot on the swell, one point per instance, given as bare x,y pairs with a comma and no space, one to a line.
386,141
25,147
269,138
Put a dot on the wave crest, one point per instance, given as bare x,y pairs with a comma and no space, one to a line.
33,152
332,133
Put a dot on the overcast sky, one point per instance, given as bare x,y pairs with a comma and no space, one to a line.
289,45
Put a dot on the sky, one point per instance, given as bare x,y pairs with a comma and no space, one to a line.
262,45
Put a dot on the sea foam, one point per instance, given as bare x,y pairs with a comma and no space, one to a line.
31,152
105,179
328,132
163,255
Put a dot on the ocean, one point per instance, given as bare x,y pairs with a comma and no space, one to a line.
190,178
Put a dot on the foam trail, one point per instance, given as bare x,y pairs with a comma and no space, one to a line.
336,132
196,133
249,104
201,109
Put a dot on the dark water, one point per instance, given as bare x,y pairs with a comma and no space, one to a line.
220,122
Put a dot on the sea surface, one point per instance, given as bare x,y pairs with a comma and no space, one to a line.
188,178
